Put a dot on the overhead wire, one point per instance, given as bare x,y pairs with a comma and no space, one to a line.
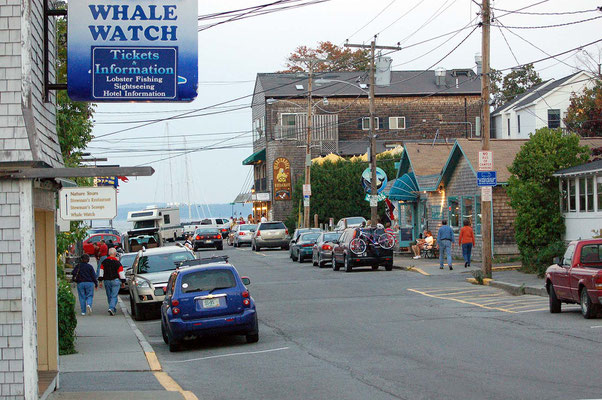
434,16
546,13
553,25
369,22
399,18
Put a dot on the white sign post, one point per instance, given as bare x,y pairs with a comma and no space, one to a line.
88,203
306,190
486,193
485,160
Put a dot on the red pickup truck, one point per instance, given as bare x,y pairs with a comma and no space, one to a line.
577,278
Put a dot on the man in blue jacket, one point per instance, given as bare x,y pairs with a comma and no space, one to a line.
445,238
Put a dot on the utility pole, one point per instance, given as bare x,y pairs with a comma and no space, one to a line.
306,223
373,189
485,81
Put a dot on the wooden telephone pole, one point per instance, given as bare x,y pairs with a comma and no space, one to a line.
373,190
485,82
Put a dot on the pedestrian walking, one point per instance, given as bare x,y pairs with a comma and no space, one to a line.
263,218
103,252
112,277
188,243
85,277
466,241
445,238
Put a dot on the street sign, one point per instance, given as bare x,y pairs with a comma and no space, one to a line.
373,200
381,180
485,160
486,193
306,202
88,203
132,50
486,178
306,190
379,197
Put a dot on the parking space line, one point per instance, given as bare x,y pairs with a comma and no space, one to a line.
596,326
461,301
261,254
526,311
244,353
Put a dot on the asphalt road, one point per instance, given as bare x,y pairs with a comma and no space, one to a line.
387,335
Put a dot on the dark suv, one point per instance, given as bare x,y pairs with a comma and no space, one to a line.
374,255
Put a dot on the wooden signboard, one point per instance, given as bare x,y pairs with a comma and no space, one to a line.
282,179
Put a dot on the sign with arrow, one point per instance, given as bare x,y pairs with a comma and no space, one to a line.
88,203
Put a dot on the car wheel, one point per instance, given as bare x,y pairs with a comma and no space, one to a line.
313,261
587,308
555,305
285,247
252,338
300,258
174,345
139,314
164,333
374,267
335,264
389,266
220,247
132,307
348,267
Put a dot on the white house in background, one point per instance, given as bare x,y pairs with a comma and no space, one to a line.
581,199
544,105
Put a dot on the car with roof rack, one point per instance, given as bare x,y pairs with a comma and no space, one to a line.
147,281
207,297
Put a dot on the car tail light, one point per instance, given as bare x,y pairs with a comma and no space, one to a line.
286,231
245,294
175,303
175,310
326,247
241,233
258,233
198,237
598,281
224,230
307,245
216,237
246,302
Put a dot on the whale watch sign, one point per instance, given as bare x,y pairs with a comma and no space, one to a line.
132,50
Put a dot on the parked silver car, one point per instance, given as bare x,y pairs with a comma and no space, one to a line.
349,222
243,234
148,280
322,249
270,234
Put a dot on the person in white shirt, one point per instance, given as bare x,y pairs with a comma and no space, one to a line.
263,218
425,243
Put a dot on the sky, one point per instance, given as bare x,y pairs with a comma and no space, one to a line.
231,54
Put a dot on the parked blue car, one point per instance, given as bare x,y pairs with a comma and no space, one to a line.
205,300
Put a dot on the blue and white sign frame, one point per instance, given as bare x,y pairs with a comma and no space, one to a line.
132,50
486,178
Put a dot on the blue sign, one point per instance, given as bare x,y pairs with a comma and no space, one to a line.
124,50
486,178
381,180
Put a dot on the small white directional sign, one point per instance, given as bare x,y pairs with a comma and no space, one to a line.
88,203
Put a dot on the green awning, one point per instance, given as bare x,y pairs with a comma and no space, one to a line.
255,158
404,188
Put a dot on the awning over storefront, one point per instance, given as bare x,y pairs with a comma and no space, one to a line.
404,188
243,198
255,158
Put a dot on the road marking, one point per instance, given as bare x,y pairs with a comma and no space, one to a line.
460,301
596,326
244,353
261,254
420,271
172,386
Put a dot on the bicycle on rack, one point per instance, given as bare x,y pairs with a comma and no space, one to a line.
359,244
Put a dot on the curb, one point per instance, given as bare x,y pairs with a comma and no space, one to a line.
519,290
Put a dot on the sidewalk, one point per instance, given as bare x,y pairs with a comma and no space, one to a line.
505,275
110,362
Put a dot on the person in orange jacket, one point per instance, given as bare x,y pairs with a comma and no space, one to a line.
466,241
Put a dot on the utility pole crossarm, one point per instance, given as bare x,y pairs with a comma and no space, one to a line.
367,46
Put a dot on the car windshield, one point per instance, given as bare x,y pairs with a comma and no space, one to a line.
208,280
143,239
273,225
162,262
144,224
207,231
127,260
354,220
309,237
331,237
247,227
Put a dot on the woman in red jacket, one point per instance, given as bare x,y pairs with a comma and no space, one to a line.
466,242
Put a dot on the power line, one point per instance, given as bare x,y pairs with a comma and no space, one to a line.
508,44
369,22
434,16
170,118
524,8
402,15
546,13
161,111
551,26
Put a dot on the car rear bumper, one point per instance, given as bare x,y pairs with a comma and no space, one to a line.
369,260
325,255
244,239
306,251
212,243
234,323
271,242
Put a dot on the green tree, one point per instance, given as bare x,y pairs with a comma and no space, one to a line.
506,88
336,58
73,118
584,115
534,194
337,190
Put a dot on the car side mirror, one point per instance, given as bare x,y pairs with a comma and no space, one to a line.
246,281
557,260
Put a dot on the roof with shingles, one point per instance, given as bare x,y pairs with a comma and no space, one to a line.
403,83
593,166
520,97
426,158
538,93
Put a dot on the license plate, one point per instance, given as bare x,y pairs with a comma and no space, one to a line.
210,303
207,241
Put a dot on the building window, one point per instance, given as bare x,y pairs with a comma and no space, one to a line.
564,196
478,215
508,126
453,206
289,126
572,196
467,209
518,123
554,119
582,195
258,128
366,123
397,122
166,218
589,187
599,187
